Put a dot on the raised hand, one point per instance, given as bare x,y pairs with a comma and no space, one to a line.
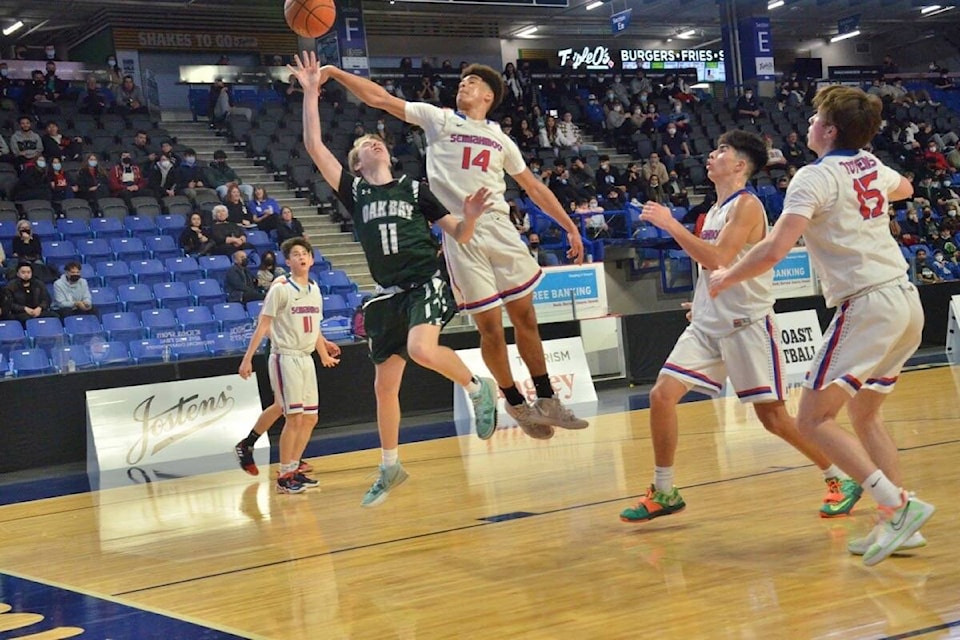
308,71
476,203
656,214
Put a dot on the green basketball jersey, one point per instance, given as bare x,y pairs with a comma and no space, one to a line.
392,222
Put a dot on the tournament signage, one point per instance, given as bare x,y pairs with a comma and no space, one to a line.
793,277
707,62
571,292
153,425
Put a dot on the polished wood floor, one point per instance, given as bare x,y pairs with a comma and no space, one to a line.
749,558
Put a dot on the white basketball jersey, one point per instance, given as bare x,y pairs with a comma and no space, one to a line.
742,304
296,312
844,194
464,155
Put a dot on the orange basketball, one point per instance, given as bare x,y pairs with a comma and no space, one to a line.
310,18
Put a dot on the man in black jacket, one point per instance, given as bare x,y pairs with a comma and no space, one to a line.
240,284
27,297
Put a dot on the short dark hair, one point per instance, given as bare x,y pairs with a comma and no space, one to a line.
219,153
491,77
749,146
73,264
290,243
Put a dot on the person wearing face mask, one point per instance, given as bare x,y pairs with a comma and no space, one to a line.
6,102
25,143
71,293
27,296
240,284
640,83
674,147
93,100
33,183
748,107
191,174
543,257
62,186
620,90
92,181
127,180
55,87
935,160
163,178
924,270
114,75
910,229
268,271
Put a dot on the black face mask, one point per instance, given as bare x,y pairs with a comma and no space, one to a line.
125,161
243,262
73,278
534,245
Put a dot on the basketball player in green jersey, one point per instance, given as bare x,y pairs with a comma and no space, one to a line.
413,301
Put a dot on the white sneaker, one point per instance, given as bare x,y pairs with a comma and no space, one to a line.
522,414
859,546
551,412
897,526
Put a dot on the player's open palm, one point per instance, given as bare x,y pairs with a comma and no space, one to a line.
656,214
308,71
476,203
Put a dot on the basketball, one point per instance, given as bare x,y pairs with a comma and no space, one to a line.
310,18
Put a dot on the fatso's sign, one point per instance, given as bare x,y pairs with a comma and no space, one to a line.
148,424
601,58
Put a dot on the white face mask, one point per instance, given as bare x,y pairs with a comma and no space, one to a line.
42,164
671,131
165,164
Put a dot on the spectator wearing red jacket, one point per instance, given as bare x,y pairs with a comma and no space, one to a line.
127,181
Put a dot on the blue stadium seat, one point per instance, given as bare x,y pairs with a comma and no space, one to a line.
44,230
59,252
215,267
172,295
207,292
110,354
355,299
337,282
183,269
140,226
260,240
11,336
197,320
61,356
94,250
226,344
149,272
114,273
70,229
136,297
107,228
129,249
336,328
105,299
30,362
88,273
253,309
123,326
159,323
189,348
162,247
171,224
148,350
229,315
334,305
45,332
81,329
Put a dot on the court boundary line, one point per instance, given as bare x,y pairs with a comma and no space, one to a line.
923,630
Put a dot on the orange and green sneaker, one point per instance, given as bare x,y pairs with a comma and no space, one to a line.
653,505
842,494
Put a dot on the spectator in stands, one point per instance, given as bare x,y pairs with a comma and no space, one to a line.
27,297
237,210
33,183
928,225
163,178
676,192
944,82
71,293
527,138
782,183
748,107
227,237
264,209
619,126
268,271
593,219
5,154
594,115
57,144
62,186
640,84
36,100
114,75
652,120
935,161
940,241
544,258
889,67
191,174
92,181
655,191
682,93
141,150
519,219
634,182
26,246
582,177
288,226
240,284
653,167
427,92
606,175
25,143
793,151
514,94
127,180
895,230
550,135
219,175
940,266
910,229
195,238
166,149
560,185
6,102
92,100
290,91
224,106
673,146
679,117
620,91
393,89
775,157
56,88
924,274
129,98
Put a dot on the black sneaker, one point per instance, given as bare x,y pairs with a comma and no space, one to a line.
309,483
289,484
245,457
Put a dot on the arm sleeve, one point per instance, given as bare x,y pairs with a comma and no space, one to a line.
60,299
430,206
344,190
429,117
805,195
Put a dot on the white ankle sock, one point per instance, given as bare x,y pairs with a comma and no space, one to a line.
833,471
389,457
473,386
882,490
663,478
290,467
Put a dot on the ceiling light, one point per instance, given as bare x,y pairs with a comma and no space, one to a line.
527,32
776,4
594,5
16,26
924,11
687,34
669,39
844,36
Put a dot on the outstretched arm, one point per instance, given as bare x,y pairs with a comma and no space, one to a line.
544,198
367,90
473,207
310,76
763,256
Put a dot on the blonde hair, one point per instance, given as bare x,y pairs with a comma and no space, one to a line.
354,156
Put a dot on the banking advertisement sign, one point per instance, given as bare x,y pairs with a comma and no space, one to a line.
793,277
571,292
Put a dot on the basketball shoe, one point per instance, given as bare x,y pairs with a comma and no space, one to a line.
245,458
842,494
653,505
289,484
551,412
522,414
388,479
308,483
305,467
897,525
859,546
485,408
